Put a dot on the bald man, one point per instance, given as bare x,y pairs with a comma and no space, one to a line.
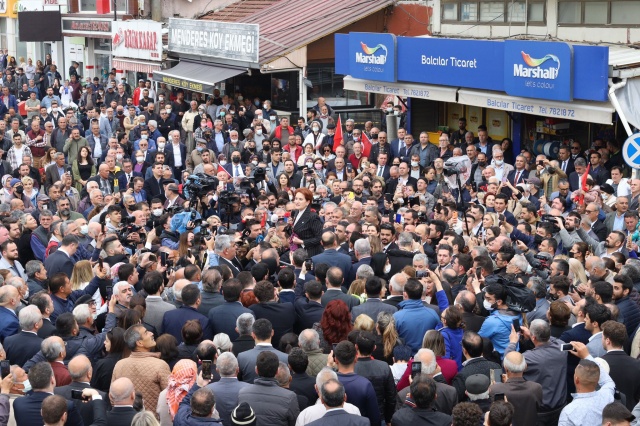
9,301
81,372
526,396
121,395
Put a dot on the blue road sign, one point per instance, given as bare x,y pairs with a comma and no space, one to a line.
631,151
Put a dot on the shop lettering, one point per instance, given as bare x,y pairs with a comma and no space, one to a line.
558,112
511,106
444,62
93,26
361,58
213,40
547,74
142,40
182,83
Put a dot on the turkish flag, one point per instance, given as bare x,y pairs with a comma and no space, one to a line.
222,169
337,138
366,145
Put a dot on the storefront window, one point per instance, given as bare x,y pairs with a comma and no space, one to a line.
326,83
21,46
102,62
3,32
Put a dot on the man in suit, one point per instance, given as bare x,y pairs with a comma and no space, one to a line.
262,334
309,313
225,250
524,395
235,168
27,410
475,362
153,284
80,371
282,316
331,256
61,259
9,301
335,279
565,161
22,346
466,302
105,181
222,319
54,172
154,185
227,388
397,143
297,259
173,196
127,174
383,169
362,250
122,394
598,228
373,305
624,370
539,289
173,320
332,396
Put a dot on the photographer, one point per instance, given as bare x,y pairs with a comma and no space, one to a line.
168,237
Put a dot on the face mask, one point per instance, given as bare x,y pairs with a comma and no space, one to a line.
266,148
396,113
200,149
120,112
356,138
140,159
161,98
389,109
19,190
414,164
223,162
145,137
499,162
488,306
157,212
27,386
387,268
482,163
552,297
234,140
316,129
168,110
309,165
537,239
256,102
235,160
119,156
240,98
258,131
318,166
222,114
265,106
84,229
255,163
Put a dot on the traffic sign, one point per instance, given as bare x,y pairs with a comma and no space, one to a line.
631,151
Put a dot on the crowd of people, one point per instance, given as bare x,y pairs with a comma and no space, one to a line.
205,261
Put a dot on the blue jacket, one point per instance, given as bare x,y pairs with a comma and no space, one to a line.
60,306
497,328
184,417
630,313
361,394
452,344
173,320
413,321
222,319
9,324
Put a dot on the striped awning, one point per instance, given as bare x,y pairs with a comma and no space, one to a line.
147,67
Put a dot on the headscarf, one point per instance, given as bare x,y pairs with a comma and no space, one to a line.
181,380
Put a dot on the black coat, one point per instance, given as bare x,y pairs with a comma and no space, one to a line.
86,410
625,372
103,371
307,314
281,315
21,347
121,416
309,229
399,259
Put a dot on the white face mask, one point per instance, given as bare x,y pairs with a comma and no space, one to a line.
161,145
223,162
255,163
84,229
168,110
387,268
140,159
144,137
258,131
316,129
234,140
414,164
157,212
396,112
499,162
488,306
265,106
389,109
119,156
309,165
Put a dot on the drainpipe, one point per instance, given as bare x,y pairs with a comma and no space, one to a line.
156,10
614,100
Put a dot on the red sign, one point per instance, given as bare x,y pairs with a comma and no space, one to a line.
86,26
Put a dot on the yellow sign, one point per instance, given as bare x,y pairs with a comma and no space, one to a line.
9,8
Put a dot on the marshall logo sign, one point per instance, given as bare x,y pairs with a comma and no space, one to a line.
84,26
139,39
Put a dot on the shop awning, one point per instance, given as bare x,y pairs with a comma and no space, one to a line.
146,67
197,77
410,90
590,112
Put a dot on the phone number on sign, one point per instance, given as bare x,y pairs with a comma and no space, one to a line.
558,112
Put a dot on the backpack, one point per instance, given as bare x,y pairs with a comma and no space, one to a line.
519,297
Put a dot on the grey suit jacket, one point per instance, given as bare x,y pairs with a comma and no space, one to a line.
247,361
348,299
597,247
372,307
156,307
340,417
539,312
226,391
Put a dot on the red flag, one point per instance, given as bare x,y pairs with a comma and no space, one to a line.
366,145
583,184
222,169
337,138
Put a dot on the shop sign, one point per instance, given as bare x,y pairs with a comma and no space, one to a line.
373,56
536,69
450,62
405,90
139,39
76,25
182,83
224,40
9,8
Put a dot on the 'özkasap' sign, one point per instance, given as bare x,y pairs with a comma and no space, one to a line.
138,39
225,40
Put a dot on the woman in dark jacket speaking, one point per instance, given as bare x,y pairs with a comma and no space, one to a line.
307,226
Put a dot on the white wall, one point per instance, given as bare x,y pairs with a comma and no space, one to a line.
189,10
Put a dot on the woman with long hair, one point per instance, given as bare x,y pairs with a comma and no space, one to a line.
282,182
380,265
114,346
182,378
334,326
48,159
167,345
452,330
83,168
577,272
386,337
184,244
81,275
29,224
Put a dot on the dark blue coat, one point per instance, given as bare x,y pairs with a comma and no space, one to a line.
354,268
9,324
27,410
222,319
630,313
184,416
172,322
332,258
